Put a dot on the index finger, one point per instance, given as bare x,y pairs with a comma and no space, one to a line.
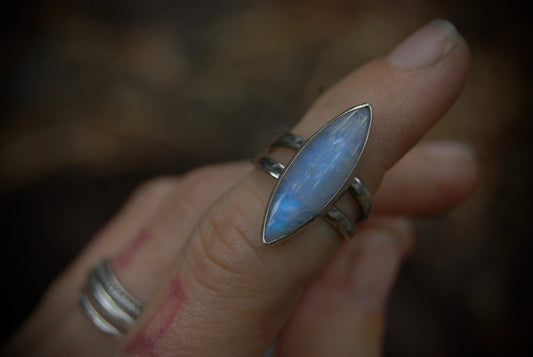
229,294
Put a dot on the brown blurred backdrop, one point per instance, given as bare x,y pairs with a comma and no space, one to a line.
98,96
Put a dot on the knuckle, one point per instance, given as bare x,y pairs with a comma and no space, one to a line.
200,173
196,191
226,257
152,193
157,186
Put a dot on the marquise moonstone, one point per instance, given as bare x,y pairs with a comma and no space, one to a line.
317,174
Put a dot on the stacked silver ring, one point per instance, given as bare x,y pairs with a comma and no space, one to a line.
107,303
334,216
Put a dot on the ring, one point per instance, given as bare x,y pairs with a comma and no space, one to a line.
107,303
320,172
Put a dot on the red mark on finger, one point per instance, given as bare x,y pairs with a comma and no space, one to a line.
123,259
147,341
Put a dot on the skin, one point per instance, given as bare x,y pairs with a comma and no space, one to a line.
189,247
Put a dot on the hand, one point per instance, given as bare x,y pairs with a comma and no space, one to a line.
189,247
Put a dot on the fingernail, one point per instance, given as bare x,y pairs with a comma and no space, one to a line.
375,268
426,46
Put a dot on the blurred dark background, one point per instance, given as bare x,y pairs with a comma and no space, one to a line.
98,96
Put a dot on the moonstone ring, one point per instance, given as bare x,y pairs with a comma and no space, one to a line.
322,170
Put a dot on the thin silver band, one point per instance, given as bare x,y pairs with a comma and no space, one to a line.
106,303
128,302
334,216
363,197
95,316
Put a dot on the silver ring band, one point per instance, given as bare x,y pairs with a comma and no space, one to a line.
287,140
107,303
117,292
363,197
95,316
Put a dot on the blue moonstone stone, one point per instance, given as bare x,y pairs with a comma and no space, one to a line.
318,174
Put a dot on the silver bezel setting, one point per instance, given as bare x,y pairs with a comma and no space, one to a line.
339,192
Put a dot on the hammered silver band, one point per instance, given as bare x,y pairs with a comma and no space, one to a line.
107,303
334,216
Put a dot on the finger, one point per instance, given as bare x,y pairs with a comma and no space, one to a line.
228,294
342,312
125,238
61,296
431,178
142,204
